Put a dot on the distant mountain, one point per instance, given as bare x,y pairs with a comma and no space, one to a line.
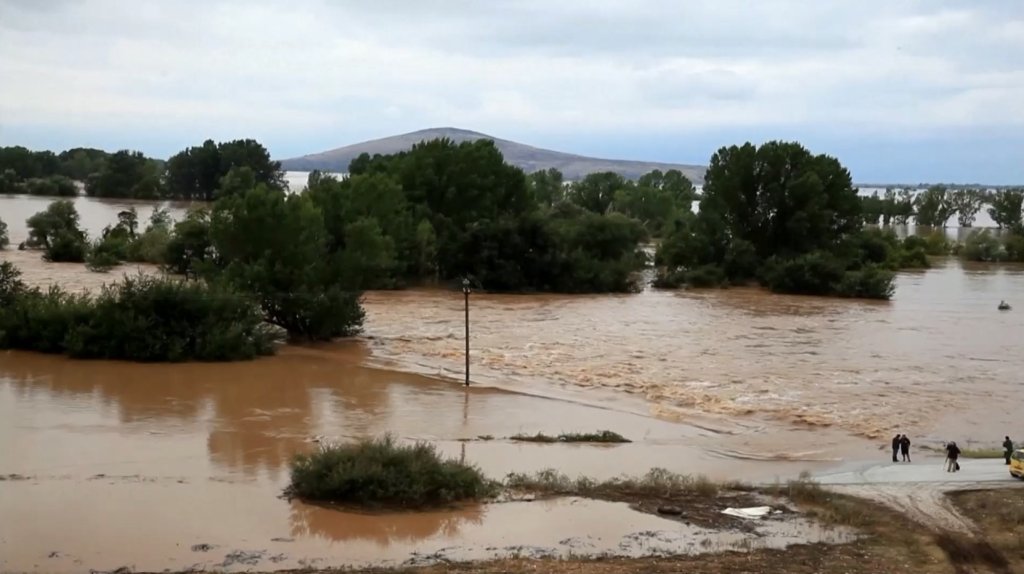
528,158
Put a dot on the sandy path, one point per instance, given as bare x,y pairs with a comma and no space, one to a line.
919,489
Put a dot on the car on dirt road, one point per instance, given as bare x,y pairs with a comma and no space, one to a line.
1017,463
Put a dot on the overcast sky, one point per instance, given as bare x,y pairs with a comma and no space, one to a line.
899,90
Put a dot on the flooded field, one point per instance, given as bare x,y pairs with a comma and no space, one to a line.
158,459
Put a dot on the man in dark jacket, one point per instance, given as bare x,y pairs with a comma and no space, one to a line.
1007,449
905,448
952,453
895,447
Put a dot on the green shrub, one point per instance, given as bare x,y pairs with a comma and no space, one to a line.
139,318
54,185
381,473
937,244
816,273
870,282
1014,246
150,247
101,261
905,257
4,238
982,245
66,246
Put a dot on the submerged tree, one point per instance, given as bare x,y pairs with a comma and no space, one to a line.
778,214
1006,208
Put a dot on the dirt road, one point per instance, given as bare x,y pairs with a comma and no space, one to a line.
919,488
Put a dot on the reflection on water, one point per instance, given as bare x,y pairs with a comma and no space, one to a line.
334,525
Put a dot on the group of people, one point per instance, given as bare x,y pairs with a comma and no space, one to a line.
901,445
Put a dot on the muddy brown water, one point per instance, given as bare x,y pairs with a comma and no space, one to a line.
131,464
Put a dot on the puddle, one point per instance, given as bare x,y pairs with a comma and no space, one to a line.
217,532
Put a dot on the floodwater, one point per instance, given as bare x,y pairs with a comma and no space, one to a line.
131,464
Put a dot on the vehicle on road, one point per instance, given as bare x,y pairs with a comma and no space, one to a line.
1017,463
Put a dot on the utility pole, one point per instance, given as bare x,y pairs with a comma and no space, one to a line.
465,292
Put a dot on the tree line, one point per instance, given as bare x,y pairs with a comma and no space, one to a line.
775,215
934,206
191,174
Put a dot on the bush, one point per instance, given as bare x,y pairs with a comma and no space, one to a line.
66,246
983,246
54,185
816,273
139,318
4,238
821,273
909,258
100,261
1014,247
869,282
150,247
381,473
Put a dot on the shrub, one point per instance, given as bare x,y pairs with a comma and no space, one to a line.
937,243
1014,247
816,273
983,246
139,318
56,231
100,261
4,238
150,247
381,473
870,282
54,185
66,246
907,257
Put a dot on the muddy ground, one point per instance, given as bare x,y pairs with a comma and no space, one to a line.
889,542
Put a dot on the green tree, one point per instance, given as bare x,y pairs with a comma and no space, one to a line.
275,246
190,246
57,232
80,163
197,172
426,249
1006,208
126,174
934,207
779,214
547,186
596,191
967,203
873,207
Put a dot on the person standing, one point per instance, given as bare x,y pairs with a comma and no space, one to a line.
1007,449
905,448
952,454
895,447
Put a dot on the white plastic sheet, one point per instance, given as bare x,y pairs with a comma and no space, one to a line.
753,512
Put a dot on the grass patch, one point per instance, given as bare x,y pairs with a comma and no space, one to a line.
999,516
982,453
380,473
658,483
828,507
604,436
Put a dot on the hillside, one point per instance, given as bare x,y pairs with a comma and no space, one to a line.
529,158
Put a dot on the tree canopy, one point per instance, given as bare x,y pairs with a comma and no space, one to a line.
781,215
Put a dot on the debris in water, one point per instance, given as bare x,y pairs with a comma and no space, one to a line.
670,510
282,539
753,512
202,547
248,558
